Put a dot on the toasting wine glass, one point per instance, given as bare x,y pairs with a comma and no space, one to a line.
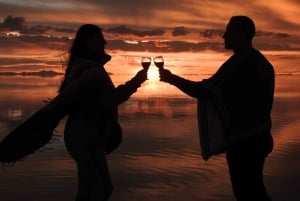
159,61
146,61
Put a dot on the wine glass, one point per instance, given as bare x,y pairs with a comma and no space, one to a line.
146,61
159,61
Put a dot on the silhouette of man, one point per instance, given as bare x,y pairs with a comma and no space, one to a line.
246,84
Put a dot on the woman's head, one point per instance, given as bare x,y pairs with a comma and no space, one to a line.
88,42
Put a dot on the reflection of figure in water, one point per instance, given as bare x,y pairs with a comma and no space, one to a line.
246,84
94,115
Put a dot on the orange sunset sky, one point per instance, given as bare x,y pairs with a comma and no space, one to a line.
141,25
180,20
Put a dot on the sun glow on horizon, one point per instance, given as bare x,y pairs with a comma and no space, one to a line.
153,74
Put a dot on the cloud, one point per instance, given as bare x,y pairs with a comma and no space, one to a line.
164,46
10,45
180,46
159,13
156,39
282,35
15,23
179,31
46,29
211,33
274,35
124,30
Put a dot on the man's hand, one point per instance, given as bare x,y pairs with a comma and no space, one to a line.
165,75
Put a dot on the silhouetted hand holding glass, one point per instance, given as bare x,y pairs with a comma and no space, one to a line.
141,75
146,61
159,62
165,75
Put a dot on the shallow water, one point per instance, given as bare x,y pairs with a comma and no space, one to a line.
159,158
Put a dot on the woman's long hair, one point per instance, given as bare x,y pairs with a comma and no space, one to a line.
79,48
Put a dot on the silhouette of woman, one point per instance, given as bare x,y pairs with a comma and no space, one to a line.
92,115
90,99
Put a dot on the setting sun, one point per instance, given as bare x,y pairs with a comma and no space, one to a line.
153,74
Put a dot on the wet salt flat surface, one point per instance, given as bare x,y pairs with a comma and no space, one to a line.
159,158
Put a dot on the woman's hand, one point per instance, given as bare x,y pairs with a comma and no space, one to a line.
141,76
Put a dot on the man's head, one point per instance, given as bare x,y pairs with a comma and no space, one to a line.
239,33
